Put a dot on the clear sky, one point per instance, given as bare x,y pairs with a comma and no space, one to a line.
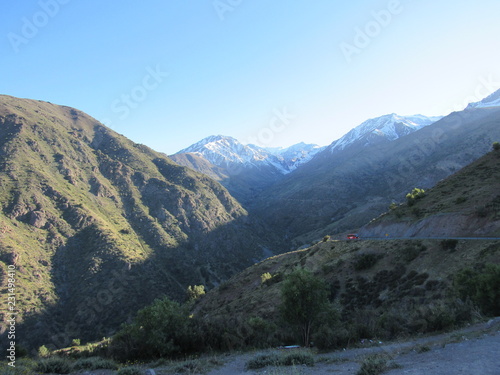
167,73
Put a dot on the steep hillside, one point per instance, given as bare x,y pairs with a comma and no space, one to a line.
467,204
342,191
387,287
98,226
381,289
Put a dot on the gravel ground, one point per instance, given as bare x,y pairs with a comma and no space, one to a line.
472,351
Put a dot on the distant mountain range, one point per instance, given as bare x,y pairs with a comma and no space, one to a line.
244,169
228,153
344,189
247,169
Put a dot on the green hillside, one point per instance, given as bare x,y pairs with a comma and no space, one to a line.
467,204
98,226
381,288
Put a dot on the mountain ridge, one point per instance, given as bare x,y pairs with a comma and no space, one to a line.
99,226
387,127
354,186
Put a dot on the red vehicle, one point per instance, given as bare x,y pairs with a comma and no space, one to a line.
352,237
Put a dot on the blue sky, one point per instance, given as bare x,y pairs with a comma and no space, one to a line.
167,73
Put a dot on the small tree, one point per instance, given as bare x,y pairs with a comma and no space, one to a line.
43,352
161,329
304,298
482,287
265,277
415,194
496,146
195,292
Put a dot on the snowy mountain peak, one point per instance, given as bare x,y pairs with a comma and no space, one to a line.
388,127
228,152
492,100
224,151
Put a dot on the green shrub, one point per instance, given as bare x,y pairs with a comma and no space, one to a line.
423,349
94,363
160,330
449,244
56,365
298,358
496,146
365,261
373,365
24,366
304,297
263,360
43,352
415,195
192,367
195,292
261,333
330,333
376,364
326,238
481,287
131,370
275,359
265,277
75,342
412,252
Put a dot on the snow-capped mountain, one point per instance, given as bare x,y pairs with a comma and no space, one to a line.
383,128
297,154
244,170
492,100
228,152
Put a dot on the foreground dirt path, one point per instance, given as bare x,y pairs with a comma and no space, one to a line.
472,351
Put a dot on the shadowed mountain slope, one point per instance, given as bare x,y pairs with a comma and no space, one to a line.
466,204
333,193
381,288
98,226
